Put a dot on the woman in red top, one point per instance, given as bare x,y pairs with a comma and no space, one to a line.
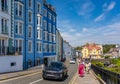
81,69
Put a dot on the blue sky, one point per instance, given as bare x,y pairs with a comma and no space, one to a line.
87,21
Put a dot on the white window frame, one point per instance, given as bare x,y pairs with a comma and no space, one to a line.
5,9
31,16
39,8
18,44
18,4
5,24
39,47
30,51
30,27
50,28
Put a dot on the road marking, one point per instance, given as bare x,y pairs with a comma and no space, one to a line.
19,77
36,81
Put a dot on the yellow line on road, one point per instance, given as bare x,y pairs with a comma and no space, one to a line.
19,77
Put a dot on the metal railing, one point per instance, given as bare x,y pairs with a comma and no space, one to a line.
108,76
10,51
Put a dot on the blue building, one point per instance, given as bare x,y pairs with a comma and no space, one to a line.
34,32
49,33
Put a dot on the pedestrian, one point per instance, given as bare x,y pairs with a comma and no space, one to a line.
81,69
88,67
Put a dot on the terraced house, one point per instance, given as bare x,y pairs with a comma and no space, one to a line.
27,33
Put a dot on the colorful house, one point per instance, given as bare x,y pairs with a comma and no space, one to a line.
93,50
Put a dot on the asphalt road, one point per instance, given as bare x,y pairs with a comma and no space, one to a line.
36,78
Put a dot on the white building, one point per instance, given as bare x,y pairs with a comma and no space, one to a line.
8,61
5,25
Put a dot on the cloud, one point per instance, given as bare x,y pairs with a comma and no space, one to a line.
100,17
107,34
111,6
106,9
84,8
72,30
84,29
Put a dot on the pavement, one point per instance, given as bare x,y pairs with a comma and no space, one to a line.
10,75
87,79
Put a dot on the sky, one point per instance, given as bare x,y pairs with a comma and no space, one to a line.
88,21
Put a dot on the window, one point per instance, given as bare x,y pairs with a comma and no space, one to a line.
29,46
39,21
4,26
39,47
30,16
53,18
49,16
39,34
45,25
19,45
50,29
29,32
39,7
4,5
13,63
30,3
20,28
54,29
45,12
16,27
19,9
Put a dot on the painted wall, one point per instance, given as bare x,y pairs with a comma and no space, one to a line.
11,63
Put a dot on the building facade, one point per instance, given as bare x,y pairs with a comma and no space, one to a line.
7,48
93,50
49,33
59,46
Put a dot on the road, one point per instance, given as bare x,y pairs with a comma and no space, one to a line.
36,78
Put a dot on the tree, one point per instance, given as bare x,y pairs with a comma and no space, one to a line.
107,47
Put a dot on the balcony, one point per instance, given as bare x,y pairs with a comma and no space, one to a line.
5,9
5,30
9,51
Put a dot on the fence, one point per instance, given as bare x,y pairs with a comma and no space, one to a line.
108,76
10,50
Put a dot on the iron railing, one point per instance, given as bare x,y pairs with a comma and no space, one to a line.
108,76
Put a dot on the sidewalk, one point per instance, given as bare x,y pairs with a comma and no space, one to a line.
87,79
20,73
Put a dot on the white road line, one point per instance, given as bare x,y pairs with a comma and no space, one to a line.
36,81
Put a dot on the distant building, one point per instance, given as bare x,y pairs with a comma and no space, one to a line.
93,50
59,46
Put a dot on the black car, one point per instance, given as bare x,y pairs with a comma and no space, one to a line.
56,70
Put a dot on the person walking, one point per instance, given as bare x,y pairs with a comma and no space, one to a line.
81,69
88,67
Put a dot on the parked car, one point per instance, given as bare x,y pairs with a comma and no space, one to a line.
56,70
72,61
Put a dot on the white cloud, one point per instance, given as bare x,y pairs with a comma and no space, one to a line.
84,29
72,30
106,9
111,6
101,35
83,9
99,18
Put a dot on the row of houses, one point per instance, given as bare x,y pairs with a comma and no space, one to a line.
28,35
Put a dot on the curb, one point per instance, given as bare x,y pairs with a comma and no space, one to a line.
72,81
19,74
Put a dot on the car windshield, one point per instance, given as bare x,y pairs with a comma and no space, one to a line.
56,65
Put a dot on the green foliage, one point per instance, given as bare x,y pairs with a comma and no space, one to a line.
97,63
114,67
106,57
78,48
106,48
